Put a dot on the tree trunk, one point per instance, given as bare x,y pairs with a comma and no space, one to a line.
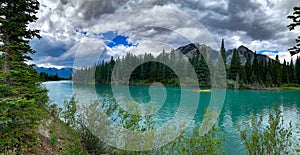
6,79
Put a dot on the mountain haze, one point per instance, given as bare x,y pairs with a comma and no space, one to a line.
62,73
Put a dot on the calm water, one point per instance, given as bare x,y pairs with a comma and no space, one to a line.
238,105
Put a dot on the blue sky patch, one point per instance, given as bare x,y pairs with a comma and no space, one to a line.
119,40
263,51
81,32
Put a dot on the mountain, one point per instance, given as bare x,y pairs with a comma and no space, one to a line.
244,52
190,50
62,73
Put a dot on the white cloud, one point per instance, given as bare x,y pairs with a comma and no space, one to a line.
164,24
49,65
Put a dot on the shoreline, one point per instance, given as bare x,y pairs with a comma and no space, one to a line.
170,85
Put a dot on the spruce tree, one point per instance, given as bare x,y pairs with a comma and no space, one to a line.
285,73
276,71
269,80
296,22
21,97
235,66
254,74
248,68
223,52
297,70
292,77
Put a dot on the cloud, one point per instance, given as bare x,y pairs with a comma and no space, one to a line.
154,25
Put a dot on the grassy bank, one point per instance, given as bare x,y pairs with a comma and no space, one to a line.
56,137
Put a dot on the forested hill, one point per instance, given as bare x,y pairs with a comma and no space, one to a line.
244,68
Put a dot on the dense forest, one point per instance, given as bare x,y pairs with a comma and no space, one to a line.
46,77
253,73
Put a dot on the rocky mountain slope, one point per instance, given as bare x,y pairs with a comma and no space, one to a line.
190,50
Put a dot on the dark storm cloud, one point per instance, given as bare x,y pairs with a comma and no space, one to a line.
49,47
93,9
255,23
247,16
239,15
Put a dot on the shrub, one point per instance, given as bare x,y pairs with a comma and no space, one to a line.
273,139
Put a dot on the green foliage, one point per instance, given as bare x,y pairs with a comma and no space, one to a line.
272,139
295,22
19,118
62,138
69,112
53,140
235,66
145,73
45,77
297,70
54,110
22,99
248,68
190,142
223,52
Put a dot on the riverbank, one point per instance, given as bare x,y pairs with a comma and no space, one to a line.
189,83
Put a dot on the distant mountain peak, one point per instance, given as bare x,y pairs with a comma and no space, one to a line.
190,50
62,73
242,47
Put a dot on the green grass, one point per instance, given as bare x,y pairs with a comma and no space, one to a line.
61,137
290,88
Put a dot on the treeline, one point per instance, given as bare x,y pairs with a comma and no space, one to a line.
263,73
254,73
46,77
153,70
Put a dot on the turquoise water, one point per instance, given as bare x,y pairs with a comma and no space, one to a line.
237,108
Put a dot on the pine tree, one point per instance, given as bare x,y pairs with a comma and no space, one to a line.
276,71
248,68
22,98
254,74
291,70
269,80
220,73
235,66
285,73
202,68
296,22
14,18
297,70
223,52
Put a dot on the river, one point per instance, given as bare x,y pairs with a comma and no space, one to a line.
238,105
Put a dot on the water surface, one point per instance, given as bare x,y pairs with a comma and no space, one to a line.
238,106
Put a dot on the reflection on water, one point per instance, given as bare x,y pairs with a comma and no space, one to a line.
238,106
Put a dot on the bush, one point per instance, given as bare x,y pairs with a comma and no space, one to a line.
190,142
273,139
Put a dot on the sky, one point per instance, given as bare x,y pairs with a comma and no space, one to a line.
79,33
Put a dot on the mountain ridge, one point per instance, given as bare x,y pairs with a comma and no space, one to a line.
62,73
190,50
